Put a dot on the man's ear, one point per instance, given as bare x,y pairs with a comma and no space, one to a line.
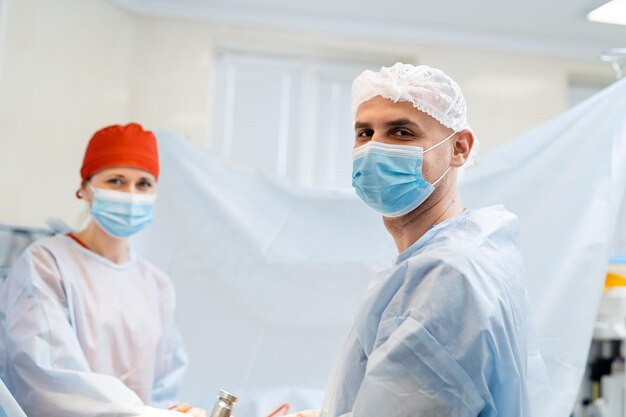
461,147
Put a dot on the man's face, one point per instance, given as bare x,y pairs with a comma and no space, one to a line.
382,120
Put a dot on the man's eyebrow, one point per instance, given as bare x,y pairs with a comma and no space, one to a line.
393,123
403,122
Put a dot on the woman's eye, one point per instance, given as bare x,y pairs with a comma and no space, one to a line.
144,185
115,181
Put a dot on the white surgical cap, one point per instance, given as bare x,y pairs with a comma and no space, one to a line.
428,89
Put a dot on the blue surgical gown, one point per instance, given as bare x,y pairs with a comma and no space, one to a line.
447,331
83,336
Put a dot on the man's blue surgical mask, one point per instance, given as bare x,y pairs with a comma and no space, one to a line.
121,214
389,177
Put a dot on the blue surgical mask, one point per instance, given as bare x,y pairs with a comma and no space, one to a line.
389,177
121,214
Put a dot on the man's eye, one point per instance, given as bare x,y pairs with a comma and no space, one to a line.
403,132
365,133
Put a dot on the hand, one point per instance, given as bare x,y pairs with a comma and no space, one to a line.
189,410
196,412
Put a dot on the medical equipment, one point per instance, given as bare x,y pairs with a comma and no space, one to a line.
283,410
13,240
611,320
224,405
617,58
602,391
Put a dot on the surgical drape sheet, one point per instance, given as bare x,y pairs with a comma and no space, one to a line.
8,406
565,180
267,273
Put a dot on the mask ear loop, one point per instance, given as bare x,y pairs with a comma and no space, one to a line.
444,174
433,147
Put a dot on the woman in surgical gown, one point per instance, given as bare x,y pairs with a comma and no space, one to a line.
87,326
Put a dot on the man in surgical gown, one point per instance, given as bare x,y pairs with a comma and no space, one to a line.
447,330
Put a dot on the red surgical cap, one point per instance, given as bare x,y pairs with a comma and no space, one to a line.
118,145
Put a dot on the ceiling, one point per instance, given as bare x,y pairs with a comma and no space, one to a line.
553,27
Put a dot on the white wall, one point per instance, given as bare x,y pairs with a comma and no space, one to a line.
507,94
72,66
3,8
171,74
65,72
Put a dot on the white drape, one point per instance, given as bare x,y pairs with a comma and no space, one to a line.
267,273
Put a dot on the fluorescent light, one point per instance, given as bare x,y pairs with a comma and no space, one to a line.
612,12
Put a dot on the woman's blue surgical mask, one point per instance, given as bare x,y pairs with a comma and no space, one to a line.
389,178
121,214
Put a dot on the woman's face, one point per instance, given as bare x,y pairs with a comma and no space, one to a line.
124,179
